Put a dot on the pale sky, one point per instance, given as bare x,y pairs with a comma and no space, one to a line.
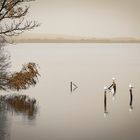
97,18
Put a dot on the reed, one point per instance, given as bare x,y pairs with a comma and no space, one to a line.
28,76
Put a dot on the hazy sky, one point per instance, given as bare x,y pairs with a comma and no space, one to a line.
98,18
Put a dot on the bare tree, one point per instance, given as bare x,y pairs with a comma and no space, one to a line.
4,65
12,18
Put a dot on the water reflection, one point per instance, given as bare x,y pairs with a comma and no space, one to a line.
4,132
20,104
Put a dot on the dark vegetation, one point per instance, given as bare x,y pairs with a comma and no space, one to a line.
28,76
4,65
20,104
23,79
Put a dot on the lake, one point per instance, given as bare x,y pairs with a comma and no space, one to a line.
78,113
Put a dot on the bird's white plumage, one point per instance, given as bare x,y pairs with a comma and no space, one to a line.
130,86
105,87
113,79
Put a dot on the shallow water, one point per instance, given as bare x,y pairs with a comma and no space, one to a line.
77,115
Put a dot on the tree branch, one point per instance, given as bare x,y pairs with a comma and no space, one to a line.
14,12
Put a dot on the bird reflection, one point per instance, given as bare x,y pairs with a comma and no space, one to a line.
19,104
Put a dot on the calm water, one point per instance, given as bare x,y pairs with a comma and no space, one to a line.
77,115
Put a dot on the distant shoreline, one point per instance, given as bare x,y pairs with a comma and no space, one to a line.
58,38
76,40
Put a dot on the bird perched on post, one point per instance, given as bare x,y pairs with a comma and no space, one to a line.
113,86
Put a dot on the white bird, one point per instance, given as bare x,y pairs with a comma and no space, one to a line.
105,87
130,86
113,79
